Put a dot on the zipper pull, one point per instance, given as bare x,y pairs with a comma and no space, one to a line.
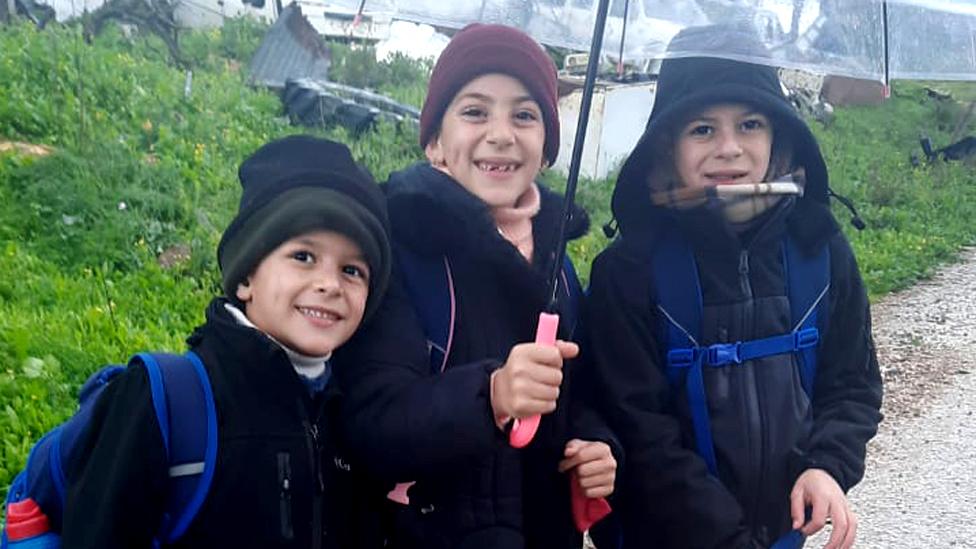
313,429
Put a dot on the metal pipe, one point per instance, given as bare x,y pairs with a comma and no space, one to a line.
623,37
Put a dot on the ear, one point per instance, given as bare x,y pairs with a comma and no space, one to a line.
244,293
434,152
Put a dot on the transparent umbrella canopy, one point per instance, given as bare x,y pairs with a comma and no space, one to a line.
872,39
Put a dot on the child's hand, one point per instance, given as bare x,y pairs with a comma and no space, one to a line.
528,383
816,489
596,469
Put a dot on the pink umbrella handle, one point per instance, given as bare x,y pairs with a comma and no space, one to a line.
586,511
523,430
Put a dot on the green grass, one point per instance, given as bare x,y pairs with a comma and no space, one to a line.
140,168
917,217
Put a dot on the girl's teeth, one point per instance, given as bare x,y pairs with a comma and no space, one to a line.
497,168
316,314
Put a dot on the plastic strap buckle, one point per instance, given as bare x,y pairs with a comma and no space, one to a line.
807,337
721,354
681,358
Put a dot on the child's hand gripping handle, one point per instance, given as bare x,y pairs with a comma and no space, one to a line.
523,430
586,511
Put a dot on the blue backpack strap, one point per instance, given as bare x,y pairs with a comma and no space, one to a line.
791,540
187,415
679,300
808,281
429,283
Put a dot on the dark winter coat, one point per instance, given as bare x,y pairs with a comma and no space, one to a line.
473,489
269,430
766,430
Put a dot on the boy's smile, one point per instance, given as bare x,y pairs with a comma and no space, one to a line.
724,144
491,139
309,293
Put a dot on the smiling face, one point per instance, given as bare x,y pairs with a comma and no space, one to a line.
491,139
309,293
722,145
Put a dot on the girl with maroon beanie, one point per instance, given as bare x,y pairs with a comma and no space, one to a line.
488,127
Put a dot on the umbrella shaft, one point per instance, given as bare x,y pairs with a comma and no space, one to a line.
596,46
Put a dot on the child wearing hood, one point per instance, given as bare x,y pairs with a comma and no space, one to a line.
747,425
474,212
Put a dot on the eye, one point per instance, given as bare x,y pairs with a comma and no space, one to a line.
356,271
753,124
303,256
526,115
700,130
474,112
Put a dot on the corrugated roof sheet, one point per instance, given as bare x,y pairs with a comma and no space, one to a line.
291,49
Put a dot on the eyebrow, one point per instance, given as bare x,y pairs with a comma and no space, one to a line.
746,114
305,241
484,97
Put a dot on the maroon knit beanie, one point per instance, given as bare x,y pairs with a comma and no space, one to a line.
479,49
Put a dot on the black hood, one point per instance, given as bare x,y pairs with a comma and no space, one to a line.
688,84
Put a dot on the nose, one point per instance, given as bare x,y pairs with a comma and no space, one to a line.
327,282
728,145
500,132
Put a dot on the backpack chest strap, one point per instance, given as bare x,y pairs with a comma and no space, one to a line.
723,354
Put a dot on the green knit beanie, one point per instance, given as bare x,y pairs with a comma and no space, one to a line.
301,184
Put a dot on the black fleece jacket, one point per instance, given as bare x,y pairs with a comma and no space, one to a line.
667,497
269,430
473,489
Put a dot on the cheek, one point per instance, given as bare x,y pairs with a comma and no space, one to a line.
536,140
684,160
357,299
764,152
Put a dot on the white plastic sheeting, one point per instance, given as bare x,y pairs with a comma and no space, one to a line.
618,115
931,39
415,40
188,13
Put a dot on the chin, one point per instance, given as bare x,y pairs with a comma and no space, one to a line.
317,349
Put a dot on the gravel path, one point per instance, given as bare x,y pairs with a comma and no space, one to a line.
919,490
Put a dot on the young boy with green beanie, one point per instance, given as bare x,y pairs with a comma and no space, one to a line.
438,413
729,331
304,263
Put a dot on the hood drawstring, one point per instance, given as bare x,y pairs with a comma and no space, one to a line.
856,220
611,227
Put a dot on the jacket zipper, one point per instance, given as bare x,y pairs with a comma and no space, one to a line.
744,283
748,315
284,500
315,454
